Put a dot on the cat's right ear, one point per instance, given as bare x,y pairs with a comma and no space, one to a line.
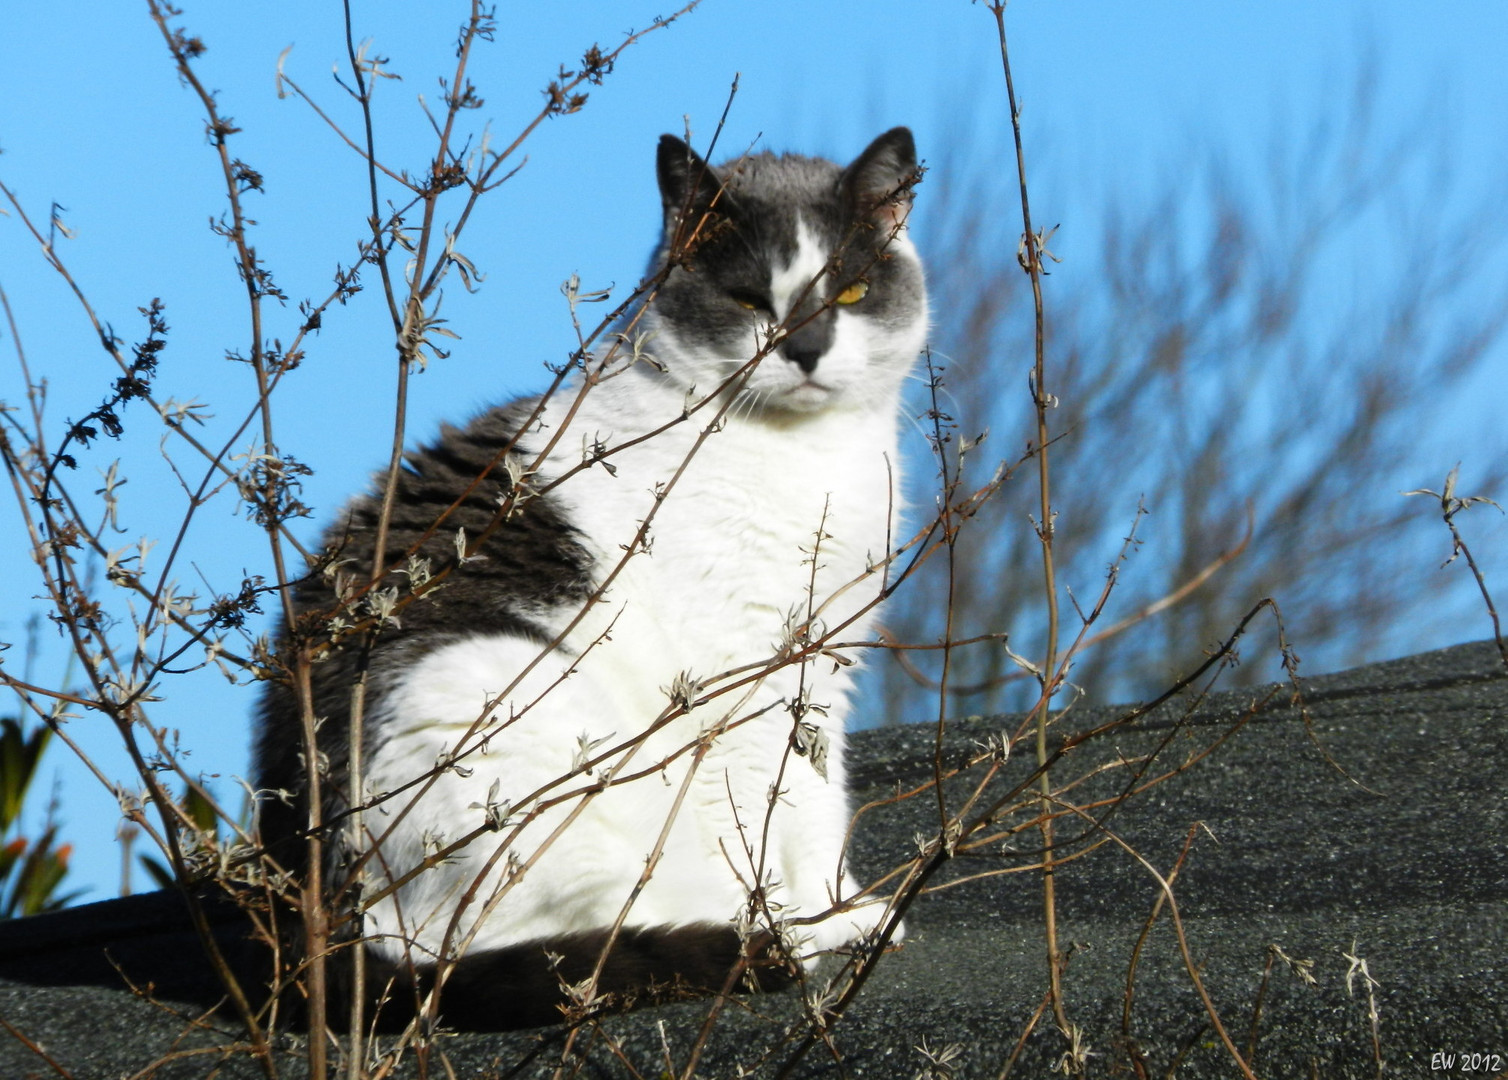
686,181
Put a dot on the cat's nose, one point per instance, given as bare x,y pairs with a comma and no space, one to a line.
807,344
804,357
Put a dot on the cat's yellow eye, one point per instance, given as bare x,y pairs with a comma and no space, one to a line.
741,302
750,301
853,294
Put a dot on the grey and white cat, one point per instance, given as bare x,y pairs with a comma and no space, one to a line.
550,676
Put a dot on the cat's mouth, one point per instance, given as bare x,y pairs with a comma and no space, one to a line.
785,389
807,395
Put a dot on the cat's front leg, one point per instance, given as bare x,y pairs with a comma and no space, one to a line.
812,885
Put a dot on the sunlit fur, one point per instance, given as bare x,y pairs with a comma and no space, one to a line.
801,461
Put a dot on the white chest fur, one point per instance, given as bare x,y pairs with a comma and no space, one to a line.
762,525
750,534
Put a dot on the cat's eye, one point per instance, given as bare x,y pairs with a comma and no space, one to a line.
853,294
750,300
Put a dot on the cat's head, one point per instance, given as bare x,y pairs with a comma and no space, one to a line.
814,252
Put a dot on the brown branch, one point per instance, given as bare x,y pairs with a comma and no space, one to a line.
1165,884
1032,246
35,1048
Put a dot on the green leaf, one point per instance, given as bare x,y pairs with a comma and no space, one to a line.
160,874
19,755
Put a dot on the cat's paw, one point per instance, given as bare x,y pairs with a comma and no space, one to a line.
858,925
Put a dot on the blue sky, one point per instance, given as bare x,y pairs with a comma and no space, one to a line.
95,120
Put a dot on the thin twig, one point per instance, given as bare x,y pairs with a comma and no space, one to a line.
21,1037
1190,965
1032,262
1452,504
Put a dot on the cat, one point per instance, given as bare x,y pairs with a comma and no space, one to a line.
577,581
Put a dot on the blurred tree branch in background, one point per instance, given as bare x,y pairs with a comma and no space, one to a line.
1220,361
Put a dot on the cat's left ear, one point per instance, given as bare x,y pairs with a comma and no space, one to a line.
878,184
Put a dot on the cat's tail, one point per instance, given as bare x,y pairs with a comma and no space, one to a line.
532,984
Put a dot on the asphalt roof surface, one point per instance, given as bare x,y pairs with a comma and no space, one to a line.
1376,832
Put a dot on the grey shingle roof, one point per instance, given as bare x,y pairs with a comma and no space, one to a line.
1411,876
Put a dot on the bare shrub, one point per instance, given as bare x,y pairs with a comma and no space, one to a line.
1200,358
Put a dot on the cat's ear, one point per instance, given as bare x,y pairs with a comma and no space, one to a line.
686,181
878,184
